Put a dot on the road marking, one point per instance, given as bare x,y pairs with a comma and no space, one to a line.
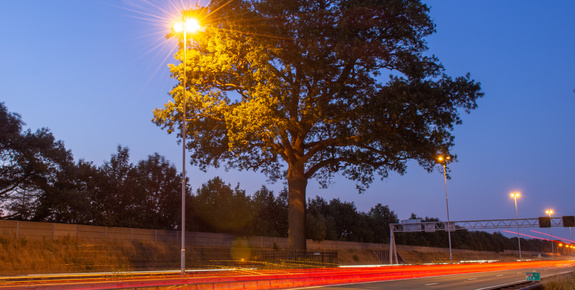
495,286
430,284
471,279
499,275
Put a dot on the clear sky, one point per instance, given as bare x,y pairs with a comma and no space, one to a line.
93,71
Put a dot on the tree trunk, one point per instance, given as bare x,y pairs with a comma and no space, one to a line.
297,184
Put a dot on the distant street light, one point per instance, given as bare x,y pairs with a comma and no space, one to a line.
443,161
189,25
550,212
515,195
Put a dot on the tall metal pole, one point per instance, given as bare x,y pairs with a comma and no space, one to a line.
552,247
391,244
447,207
549,212
183,250
571,239
189,25
517,218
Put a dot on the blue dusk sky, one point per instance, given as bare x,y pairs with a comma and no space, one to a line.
92,71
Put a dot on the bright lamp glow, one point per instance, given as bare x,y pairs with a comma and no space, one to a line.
440,158
191,25
515,194
178,27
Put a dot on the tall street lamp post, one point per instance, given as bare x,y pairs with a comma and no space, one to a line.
189,25
571,240
550,212
515,195
443,161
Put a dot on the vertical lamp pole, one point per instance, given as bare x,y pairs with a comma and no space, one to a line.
188,26
571,240
443,161
515,195
550,212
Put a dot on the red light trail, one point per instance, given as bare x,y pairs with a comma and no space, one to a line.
268,279
553,236
539,238
528,236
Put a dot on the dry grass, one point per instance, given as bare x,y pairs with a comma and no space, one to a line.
68,255
357,257
560,283
24,256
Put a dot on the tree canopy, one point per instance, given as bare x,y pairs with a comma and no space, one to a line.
146,194
29,163
310,89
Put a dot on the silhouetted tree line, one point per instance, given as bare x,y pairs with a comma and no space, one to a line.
39,181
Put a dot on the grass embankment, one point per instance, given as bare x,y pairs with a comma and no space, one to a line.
67,255
560,283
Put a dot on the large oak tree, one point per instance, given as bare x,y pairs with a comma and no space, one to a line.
302,89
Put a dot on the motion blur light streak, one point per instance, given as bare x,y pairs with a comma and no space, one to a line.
564,239
267,279
528,236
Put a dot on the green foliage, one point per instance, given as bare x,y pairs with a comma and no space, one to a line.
316,228
118,193
381,216
294,89
70,199
221,208
271,213
29,165
217,207
306,75
42,183
159,193
339,220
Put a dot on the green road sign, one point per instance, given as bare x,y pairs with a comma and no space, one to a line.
532,276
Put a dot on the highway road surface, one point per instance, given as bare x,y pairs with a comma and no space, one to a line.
456,276
472,281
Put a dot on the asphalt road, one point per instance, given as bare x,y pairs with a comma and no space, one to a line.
457,276
475,281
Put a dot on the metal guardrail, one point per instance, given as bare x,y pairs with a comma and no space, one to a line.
324,257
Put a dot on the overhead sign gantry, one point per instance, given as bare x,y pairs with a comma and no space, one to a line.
416,225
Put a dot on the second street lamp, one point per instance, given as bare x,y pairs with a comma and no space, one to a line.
515,195
443,161
189,25
550,212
